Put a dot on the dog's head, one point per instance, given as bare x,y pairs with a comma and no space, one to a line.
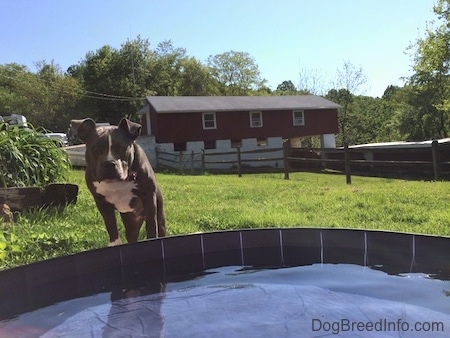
110,149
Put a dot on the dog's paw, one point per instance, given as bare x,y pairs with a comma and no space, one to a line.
115,243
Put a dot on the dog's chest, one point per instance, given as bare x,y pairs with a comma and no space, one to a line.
119,193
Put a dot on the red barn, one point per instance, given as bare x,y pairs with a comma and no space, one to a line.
208,119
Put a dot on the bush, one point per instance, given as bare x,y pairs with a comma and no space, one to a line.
28,158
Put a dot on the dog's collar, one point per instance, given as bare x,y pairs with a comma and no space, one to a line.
131,176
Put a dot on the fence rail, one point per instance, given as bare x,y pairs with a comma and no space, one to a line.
204,161
290,159
345,161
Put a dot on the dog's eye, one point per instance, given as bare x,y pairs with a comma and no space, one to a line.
123,148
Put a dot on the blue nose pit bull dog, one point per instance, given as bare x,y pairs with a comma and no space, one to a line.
120,177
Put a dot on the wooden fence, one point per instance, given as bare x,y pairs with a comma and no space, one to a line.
231,161
425,161
291,159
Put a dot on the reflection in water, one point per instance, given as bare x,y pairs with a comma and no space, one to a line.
133,315
231,301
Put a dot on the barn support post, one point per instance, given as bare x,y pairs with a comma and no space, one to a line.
436,161
238,149
285,159
348,176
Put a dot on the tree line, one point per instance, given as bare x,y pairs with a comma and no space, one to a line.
110,83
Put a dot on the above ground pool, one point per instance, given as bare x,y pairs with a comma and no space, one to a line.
249,283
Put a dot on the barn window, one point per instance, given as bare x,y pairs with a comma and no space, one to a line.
179,146
298,117
256,119
236,143
209,144
261,142
209,120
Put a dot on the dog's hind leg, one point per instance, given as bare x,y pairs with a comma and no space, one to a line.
132,223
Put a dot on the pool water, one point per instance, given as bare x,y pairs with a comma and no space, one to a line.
316,300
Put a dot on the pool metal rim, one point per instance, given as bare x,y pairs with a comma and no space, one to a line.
40,284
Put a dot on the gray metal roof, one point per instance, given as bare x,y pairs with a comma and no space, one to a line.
180,104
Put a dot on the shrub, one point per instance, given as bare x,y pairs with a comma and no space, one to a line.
28,158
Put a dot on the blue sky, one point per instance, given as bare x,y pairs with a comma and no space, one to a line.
285,37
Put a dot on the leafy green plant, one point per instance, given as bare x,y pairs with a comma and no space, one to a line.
8,244
28,158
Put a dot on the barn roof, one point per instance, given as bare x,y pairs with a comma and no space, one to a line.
180,104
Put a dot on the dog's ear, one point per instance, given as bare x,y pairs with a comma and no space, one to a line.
132,128
82,128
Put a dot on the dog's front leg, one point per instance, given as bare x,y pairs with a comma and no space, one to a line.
107,210
151,218
132,223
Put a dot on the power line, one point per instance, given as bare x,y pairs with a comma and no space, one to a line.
86,93
103,96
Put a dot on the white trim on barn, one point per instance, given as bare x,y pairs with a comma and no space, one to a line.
224,155
146,111
256,120
209,120
298,117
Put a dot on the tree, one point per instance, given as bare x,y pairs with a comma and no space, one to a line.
115,80
165,69
56,97
14,82
311,82
344,98
236,72
130,67
349,80
46,98
430,80
367,119
195,79
286,88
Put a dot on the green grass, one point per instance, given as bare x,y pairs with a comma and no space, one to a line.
219,202
204,203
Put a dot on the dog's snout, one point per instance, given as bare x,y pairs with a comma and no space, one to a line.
110,169
109,165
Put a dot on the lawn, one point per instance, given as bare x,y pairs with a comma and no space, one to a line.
218,202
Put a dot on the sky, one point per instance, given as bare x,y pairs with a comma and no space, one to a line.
285,38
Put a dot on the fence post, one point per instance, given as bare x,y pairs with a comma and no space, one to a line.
348,177
192,162
436,164
181,163
238,149
285,159
203,161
